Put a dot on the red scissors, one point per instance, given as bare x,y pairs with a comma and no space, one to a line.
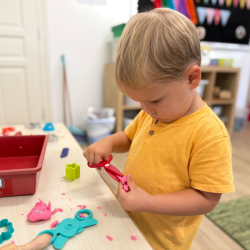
110,169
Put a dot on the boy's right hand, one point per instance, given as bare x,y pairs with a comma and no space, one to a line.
98,151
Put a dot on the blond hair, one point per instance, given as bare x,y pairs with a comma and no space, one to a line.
156,46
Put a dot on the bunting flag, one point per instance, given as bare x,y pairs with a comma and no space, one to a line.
221,2
191,11
201,14
248,4
235,3
242,4
206,1
217,15
225,14
214,2
229,3
210,15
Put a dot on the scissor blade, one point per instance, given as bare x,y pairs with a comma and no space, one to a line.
113,172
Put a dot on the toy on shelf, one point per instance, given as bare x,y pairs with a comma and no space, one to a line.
40,212
72,171
8,234
222,93
112,171
49,127
66,229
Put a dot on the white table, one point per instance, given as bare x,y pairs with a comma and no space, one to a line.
89,190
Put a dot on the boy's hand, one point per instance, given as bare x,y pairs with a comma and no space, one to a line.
98,151
136,199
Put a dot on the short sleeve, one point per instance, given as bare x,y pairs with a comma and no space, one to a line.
131,129
210,168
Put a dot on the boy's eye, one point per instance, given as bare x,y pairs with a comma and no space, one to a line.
156,101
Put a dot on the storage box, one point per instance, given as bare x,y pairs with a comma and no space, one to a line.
21,157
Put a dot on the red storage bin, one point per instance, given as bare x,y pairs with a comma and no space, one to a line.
21,157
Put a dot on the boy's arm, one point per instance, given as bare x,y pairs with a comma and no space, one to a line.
117,143
188,202
120,142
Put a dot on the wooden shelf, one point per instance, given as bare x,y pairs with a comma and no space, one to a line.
219,102
131,107
224,77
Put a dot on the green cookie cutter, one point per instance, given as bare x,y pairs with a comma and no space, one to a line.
72,171
8,234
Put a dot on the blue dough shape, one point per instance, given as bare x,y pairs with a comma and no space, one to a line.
69,228
49,127
65,152
8,234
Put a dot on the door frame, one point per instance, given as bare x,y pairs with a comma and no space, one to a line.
44,60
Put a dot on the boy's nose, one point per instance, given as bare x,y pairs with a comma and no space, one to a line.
147,109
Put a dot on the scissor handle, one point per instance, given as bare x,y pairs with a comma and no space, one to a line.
84,211
102,163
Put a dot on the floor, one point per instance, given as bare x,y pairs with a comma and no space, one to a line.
209,236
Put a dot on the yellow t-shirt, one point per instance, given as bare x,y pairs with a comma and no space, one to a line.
191,152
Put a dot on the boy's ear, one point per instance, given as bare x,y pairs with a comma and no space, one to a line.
193,75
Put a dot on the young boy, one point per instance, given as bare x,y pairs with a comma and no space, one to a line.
179,160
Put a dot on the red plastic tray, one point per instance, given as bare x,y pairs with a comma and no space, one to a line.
21,157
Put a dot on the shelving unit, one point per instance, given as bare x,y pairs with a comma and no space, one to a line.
225,77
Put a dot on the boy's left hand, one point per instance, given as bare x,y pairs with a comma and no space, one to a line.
134,200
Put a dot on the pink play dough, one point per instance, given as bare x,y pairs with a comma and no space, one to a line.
124,183
81,206
54,211
110,238
105,214
82,215
40,211
54,224
133,238
98,207
63,193
60,209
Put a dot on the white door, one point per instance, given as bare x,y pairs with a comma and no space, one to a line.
21,96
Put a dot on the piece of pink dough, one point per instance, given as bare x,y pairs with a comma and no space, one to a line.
81,206
105,214
54,224
63,193
21,214
13,241
124,183
40,211
69,199
110,238
60,209
54,211
82,215
98,207
133,238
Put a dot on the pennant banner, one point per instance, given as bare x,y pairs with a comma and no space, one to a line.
221,2
229,3
215,15
235,3
210,15
225,14
214,2
242,4
201,14
248,4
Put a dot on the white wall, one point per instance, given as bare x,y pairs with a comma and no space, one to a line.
81,32
241,56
